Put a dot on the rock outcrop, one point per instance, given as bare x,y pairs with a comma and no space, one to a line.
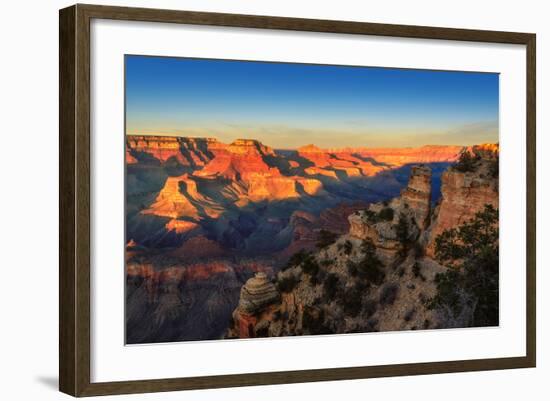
256,294
171,202
417,195
187,151
464,193
257,298
380,223
402,156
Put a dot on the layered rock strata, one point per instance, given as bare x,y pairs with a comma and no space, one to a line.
380,222
257,293
256,304
463,194
417,195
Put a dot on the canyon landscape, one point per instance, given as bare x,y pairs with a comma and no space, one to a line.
240,240
280,199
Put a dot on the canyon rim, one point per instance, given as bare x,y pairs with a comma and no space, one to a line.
277,199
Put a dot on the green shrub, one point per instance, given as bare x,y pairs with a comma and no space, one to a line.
416,269
326,262
310,266
348,247
326,238
372,325
493,168
371,216
370,267
466,162
370,307
418,250
353,270
287,284
262,332
472,251
385,214
388,294
297,259
313,321
409,315
402,230
330,286
353,301
403,234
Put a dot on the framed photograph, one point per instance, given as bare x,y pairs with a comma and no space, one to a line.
250,200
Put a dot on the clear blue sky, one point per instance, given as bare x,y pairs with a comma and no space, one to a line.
288,105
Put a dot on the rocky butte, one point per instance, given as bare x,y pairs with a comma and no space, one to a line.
465,191
257,297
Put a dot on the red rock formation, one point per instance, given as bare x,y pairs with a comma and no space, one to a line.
187,151
180,226
463,194
401,156
417,194
129,158
271,188
199,247
413,205
160,147
487,151
257,299
170,202
329,162
244,165
321,171
241,160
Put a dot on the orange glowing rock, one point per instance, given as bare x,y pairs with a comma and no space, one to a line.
171,202
293,164
180,226
129,158
400,156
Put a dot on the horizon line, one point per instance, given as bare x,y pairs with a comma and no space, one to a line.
307,145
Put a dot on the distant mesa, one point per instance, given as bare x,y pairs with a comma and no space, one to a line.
311,148
242,146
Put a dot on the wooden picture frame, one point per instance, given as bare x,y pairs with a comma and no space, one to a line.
74,204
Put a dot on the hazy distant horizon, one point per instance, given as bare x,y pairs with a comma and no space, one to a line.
305,144
287,105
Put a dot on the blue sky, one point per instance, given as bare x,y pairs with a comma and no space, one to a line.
288,105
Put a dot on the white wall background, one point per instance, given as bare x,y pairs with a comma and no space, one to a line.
28,200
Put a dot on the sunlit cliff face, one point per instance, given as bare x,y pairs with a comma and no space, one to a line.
248,171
